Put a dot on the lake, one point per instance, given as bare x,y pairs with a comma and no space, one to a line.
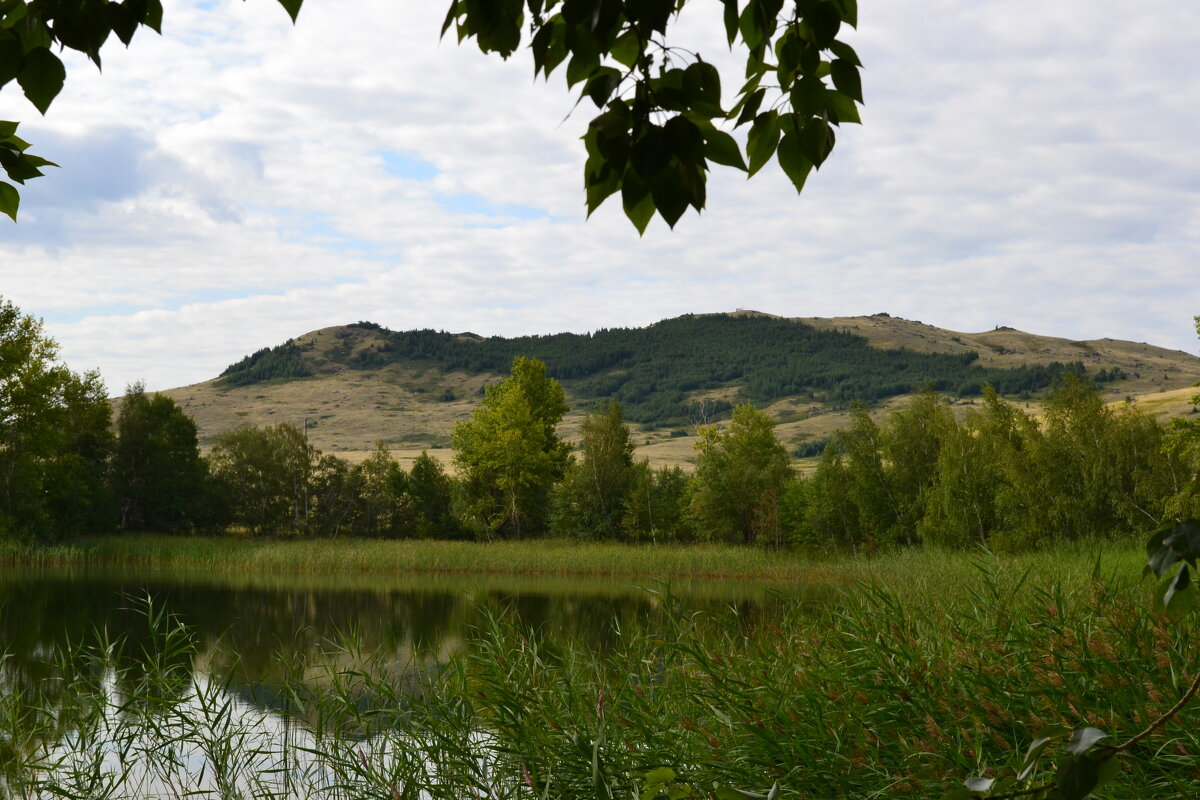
254,639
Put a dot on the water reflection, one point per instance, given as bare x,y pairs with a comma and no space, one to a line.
88,675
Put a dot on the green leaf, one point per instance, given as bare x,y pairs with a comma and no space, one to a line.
627,48
1084,739
671,195
816,139
153,16
846,79
702,85
1108,769
292,7
722,148
842,108
451,16
8,129
122,21
11,59
1179,595
601,86
10,200
809,96
660,775
751,28
750,106
1172,543
731,20
1078,776
762,140
20,167
685,140
1040,740
849,12
42,78
792,159
637,201
583,65
845,52
825,21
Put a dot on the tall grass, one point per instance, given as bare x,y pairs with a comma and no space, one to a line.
895,690
243,556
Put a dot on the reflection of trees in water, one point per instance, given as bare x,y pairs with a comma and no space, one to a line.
263,639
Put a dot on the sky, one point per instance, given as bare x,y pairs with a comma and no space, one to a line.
240,180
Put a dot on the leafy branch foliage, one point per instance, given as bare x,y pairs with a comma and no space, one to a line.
655,135
660,103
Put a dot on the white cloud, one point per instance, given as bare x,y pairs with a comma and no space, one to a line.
238,181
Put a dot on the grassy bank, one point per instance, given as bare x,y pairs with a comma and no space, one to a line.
912,569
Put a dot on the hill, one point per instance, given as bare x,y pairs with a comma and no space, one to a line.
359,383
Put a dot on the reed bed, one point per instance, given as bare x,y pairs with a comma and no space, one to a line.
910,567
895,690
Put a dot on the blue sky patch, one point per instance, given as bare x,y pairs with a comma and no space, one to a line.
407,165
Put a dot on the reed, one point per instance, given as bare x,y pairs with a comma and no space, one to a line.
927,670
909,567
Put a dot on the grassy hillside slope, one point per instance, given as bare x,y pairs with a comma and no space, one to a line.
358,385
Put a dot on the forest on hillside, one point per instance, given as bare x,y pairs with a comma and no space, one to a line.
654,372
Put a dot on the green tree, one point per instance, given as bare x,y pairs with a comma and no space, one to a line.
158,475
264,476
379,504
54,437
656,505
593,495
334,497
912,441
659,100
509,454
867,479
830,515
428,492
741,472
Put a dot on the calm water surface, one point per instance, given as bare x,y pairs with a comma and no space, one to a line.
252,636
242,623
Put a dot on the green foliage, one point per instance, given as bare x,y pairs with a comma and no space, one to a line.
654,372
31,31
1000,478
592,497
263,477
655,508
741,471
158,477
54,437
270,363
428,492
18,163
509,454
660,102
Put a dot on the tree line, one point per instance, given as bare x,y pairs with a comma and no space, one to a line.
654,371
998,477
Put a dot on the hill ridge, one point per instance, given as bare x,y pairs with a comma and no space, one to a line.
357,391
